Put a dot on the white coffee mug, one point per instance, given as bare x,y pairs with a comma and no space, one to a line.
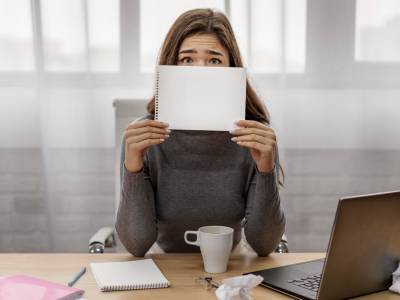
215,245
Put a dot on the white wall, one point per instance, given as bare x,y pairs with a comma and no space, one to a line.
349,119
71,118
18,118
342,119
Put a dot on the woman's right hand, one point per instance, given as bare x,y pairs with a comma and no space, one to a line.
139,136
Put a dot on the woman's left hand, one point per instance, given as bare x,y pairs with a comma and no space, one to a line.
260,139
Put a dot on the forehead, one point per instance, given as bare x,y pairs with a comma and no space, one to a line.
202,41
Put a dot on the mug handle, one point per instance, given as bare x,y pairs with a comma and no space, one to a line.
196,233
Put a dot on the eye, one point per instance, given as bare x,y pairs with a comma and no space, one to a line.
186,60
215,61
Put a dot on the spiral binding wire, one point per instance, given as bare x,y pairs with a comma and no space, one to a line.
155,285
156,95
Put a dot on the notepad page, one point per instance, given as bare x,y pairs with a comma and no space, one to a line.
136,274
200,98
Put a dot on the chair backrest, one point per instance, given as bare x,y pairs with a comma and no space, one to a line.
126,111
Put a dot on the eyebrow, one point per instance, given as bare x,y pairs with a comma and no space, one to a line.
208,51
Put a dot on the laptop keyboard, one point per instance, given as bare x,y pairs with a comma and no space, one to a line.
310,282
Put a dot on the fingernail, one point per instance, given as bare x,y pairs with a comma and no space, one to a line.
167,135
168,130
234,138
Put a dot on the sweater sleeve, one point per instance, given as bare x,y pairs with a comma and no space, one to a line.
264,218
136,218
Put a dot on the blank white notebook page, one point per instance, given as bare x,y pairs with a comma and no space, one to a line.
200,98
138,274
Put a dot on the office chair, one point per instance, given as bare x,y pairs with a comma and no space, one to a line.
127,110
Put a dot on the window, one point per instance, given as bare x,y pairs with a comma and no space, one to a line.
377,30
80,35
70,38
16,36
271,34
84,35
104,35
156,17
262,27
295,36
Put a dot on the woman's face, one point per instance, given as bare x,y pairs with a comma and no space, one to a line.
203,50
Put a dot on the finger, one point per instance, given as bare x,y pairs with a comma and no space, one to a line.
252,145
145,136
140,130
251,123
144,144
254,138
244,131
143,123
255,145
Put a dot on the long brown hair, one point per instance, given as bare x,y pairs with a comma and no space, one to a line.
208,21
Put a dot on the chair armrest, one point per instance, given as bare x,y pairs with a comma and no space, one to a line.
104,237
283,246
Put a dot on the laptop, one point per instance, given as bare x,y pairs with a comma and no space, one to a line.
363,252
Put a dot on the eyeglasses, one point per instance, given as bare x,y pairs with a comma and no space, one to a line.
207,282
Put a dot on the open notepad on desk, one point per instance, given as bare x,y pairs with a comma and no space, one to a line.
128,275
200,98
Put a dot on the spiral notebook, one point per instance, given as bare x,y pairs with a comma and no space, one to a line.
128,275
200,98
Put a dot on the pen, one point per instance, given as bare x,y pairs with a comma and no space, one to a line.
77,276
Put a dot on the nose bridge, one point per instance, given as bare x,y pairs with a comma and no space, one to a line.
201,56
201,61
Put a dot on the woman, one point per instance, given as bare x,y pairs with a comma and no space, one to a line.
181,180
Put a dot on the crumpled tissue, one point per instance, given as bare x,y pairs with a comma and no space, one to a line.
395,287
238,288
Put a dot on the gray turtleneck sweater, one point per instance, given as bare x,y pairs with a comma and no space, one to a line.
194,179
